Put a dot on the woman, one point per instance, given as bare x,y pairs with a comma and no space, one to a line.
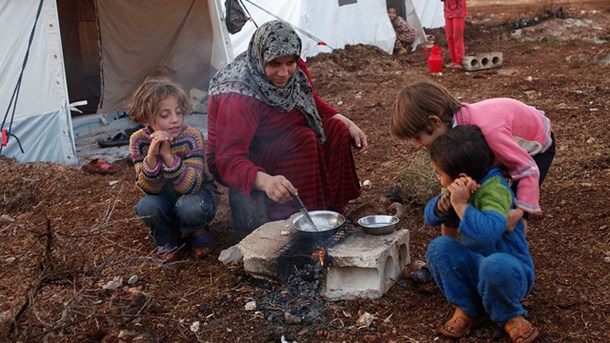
270,132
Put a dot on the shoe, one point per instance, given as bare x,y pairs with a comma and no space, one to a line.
460,324
201,245
99,166
421,276
118,140
520,330
168,252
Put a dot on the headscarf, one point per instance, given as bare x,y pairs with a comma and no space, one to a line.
246,74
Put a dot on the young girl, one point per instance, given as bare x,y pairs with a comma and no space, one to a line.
180,198
487,270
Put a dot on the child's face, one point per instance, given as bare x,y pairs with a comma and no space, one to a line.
392,13
169,117
424,139
443,178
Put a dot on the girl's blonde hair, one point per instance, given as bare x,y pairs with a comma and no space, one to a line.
418,100
144,104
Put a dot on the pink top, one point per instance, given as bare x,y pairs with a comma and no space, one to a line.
515,132
455,9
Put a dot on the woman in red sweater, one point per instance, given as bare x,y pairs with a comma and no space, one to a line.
269,133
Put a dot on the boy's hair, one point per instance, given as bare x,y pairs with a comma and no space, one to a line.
144,103
462,149
418,100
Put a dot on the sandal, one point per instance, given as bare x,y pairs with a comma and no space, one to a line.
460,324
168,252
521,330
99,166
201,245
118,140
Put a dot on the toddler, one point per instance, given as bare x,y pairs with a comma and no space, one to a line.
487,270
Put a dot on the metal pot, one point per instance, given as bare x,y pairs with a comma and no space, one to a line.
378,224
327,224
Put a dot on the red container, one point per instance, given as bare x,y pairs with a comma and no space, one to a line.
435,59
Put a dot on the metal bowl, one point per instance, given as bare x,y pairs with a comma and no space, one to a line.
378,224
324,220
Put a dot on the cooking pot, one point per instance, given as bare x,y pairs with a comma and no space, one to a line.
327,224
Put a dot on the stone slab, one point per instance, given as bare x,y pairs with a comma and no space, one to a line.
261,248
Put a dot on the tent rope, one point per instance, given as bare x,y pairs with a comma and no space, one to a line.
320,42
15,96
249,15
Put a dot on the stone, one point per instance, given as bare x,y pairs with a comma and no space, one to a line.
229,255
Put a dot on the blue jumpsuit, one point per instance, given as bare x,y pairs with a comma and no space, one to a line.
489,270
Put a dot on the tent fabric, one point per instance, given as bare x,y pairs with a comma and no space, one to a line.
163,37
364,22
430,13
42,120
412,19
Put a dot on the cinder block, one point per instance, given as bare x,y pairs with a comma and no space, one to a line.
365,266
482,61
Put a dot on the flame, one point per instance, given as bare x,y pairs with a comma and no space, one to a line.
319,254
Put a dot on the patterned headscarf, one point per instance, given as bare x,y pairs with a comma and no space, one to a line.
246,74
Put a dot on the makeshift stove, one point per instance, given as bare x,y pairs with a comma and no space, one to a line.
353,264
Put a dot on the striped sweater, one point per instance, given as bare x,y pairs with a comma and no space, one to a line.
187,175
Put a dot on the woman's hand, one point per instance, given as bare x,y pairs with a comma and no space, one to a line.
277,187
357,135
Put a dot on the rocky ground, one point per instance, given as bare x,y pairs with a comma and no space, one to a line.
79,267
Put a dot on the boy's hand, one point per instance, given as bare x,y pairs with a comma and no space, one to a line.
460,191
443,205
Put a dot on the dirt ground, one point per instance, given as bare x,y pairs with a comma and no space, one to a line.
79,266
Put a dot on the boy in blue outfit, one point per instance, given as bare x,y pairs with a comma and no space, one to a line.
487,270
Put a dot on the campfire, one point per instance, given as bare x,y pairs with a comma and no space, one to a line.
303,250
347,265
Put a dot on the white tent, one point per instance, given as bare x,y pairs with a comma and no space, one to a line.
100,50
430,13
335,22
33,90
53,51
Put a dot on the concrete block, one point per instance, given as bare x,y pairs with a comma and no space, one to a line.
261,248
482,61
365,266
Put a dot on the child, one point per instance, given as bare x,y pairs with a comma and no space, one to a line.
488,270
405,36
168,157
519,135
455,14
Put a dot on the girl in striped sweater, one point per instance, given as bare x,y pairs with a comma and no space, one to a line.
180,198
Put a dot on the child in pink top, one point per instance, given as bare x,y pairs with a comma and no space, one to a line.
519,135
